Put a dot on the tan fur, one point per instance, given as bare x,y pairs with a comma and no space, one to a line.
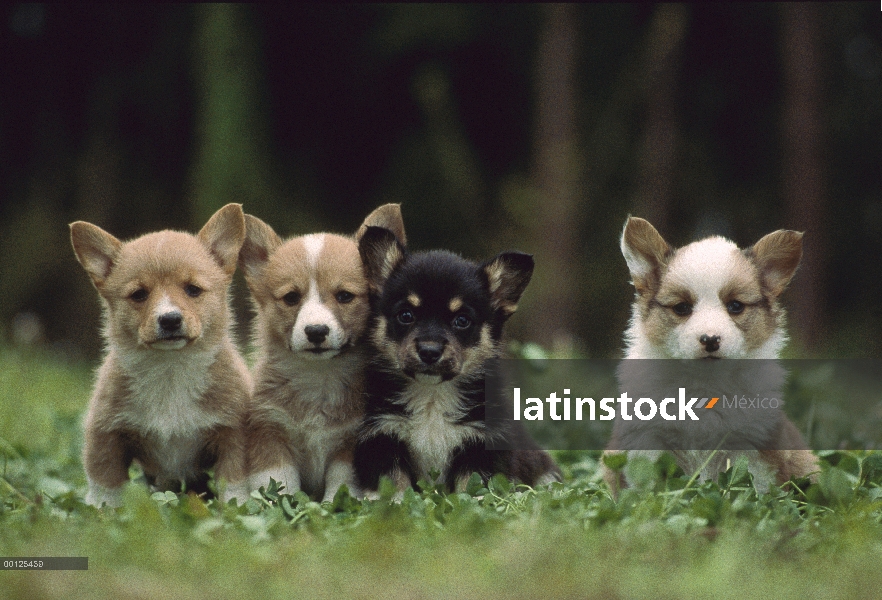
176,412
664,277
506,284
641,236
414,300
455,304
797,462
305,412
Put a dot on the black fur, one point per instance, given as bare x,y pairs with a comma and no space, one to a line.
435,279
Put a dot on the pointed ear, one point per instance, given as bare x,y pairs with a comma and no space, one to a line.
777,256
645,252
224,234
260,243
95,249
381,253
506,278
387,216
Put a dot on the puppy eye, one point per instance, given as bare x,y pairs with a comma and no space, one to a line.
462,322
291,298
684,309
405,317
194,291
344,297
735,308
139,295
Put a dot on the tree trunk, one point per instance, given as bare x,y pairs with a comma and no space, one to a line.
803,163
657,152
231,161
555,176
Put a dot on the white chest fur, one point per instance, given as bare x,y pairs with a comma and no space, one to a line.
166,390
431,431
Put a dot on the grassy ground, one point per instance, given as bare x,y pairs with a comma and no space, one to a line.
671,538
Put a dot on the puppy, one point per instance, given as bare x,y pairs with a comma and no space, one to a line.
711,300
437,321
311,299
173,390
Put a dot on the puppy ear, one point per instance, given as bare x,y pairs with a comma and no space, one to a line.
96,250
506,278
260,243
381,253
645,252
387,216
224,234
777,256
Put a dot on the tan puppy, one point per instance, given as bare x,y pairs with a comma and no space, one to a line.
711,300
311,297
173,390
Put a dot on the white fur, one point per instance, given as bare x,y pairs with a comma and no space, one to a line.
753,427
338,474
314,310
239,491
324,385
169,344
314,244
286,475
98,495
637,265
165,393
430,429
164,306
704,268
177,456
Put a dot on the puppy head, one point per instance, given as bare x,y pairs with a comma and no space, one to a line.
440,316
311,292
164,290
709,299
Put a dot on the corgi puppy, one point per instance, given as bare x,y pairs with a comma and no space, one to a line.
173,390
311,298
437,321
711,300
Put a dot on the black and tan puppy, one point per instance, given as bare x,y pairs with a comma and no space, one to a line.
437,322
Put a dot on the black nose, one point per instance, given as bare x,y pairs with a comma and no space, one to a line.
316,334
430,352
711,342
170,322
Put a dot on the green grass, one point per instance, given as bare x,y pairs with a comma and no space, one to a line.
668,538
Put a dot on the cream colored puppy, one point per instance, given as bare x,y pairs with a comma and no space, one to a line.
710,300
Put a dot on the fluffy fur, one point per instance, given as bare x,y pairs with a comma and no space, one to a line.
173,390
711,300
311,298
437,321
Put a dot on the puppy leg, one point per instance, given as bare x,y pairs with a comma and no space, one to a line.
107,467
379,456
270,455
795,460
339,472
228,444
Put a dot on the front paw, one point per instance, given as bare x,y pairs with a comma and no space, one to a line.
99,495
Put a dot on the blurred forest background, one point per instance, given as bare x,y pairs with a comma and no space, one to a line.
536,127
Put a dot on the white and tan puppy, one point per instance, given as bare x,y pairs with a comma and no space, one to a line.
172,391
711,300
311,298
